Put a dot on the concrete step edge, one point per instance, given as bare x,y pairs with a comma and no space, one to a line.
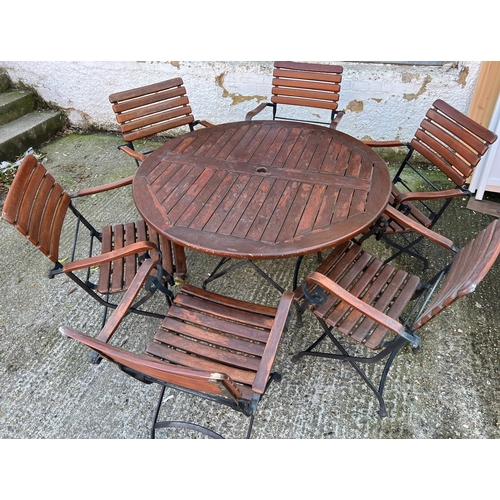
30,130
15,104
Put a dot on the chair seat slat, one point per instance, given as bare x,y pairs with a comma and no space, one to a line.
215,337
105,269
381,302
117,265
405,295
223,311
231,328
166,353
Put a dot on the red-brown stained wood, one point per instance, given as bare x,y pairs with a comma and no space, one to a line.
305,84
358,279
149,110
37,206
268,190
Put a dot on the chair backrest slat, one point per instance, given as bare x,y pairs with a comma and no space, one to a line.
156,117
470,266
150,99
146,89
36,205
174,108
452,141
146,111
305,84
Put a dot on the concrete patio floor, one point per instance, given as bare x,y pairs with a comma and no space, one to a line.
49,390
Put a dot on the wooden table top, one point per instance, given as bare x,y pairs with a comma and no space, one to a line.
262,189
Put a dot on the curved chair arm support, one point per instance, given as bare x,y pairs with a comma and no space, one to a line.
427,195
337,119
279,325
105,187
405,221
135,248
385,144
351,300
128,298
257,110
131,152
142,363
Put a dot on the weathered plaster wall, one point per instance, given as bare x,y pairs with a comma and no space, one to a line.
382,101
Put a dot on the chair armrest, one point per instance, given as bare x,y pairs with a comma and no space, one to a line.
385,144
332,287
128,298
135,248
427,195
337,119
405,221
257,110
126,302
131,152
280,321
105,187
203,123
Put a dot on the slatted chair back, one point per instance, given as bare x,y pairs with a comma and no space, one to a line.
452,141
36,205
146,111
305,84
469,267
368,301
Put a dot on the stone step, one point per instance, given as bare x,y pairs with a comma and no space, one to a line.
31,130
4,81
15,104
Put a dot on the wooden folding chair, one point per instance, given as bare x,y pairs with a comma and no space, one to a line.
307,85
36,205
454,144
368,301
209,345
147,111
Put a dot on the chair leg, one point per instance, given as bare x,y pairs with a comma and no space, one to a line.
176,424
354,361
406,249
94,357
214,275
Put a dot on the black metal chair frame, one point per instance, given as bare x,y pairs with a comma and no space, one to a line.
390,350
411,321
380,227
247,409
153,284
274,105
131,145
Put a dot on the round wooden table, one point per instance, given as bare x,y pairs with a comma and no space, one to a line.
261,189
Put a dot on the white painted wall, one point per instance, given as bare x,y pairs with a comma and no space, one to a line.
382,101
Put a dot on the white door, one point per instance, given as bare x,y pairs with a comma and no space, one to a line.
486,176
